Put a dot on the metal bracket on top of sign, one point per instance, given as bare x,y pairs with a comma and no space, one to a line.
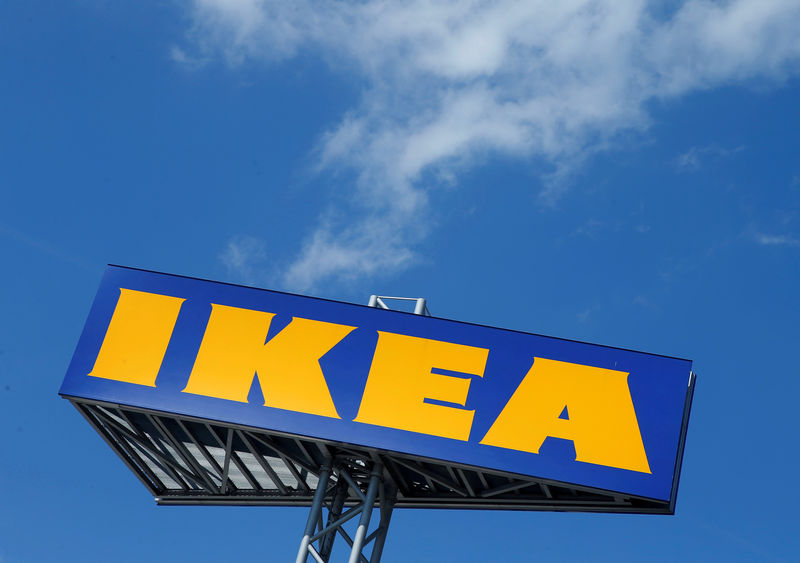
336,481
420,306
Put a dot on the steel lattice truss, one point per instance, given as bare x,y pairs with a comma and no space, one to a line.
186,460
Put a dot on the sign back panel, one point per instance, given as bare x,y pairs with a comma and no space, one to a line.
584,414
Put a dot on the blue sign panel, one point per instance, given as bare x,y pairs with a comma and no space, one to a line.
577,413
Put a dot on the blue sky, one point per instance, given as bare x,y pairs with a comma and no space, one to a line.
617,172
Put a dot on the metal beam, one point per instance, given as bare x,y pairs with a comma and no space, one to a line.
311,523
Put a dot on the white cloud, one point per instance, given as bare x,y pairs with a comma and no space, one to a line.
776,240
695,157
366,248
181,57
589,229
448,84
245,258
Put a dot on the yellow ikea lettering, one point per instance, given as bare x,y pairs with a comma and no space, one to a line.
400,379
137,337
400,386
233,353
602,423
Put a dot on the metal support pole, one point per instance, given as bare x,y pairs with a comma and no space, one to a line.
369,502
380,489
388,498
313,515
339,496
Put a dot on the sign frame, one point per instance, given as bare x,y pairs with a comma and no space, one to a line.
95,397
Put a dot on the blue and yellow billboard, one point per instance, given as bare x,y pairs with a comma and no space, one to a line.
588,415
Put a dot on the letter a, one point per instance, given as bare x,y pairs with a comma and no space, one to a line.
602,423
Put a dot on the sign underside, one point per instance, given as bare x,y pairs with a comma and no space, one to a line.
189,461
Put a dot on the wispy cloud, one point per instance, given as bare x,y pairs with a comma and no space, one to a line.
589,228
776,240
245,258
45,247
643,301
181,57
368,247
449,84
696,157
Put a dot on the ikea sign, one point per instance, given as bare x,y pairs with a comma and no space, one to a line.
555,409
